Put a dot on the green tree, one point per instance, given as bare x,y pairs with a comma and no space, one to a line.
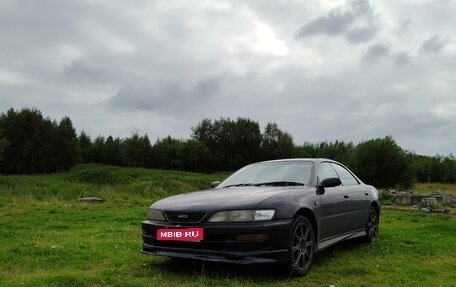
232,143
136,150
3,145
441,168
382,163
97,149
247,142
277,143
449,163
420,165
30,138
166,154
194,155
338,150
112,151
67,149
86,146
437,168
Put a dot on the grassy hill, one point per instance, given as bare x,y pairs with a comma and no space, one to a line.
48,238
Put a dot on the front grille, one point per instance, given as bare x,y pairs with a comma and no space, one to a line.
213,242
185,217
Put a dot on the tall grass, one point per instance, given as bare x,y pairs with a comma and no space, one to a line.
429,188
104,180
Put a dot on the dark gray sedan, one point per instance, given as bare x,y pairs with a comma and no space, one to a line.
281,211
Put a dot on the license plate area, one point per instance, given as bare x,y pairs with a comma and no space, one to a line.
190,234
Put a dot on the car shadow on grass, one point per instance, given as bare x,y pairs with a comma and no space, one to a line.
339,250
261,273
218,270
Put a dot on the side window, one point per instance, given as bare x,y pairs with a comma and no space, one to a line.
325,170
344,175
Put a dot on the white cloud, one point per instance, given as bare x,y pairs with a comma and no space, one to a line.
12,78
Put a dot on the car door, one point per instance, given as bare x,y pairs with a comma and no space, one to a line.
358,194
335,205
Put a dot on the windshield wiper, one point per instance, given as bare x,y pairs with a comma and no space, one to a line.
239,184
280,183
271,183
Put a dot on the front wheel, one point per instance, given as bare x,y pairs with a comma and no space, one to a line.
301,250
372,225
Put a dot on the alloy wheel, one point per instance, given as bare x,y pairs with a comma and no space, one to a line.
302,249
372,225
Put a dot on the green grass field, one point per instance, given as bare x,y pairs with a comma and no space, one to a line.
48,238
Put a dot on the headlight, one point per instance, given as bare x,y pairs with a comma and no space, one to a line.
264,214
242,215
155,215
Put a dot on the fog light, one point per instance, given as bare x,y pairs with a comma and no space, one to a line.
252,237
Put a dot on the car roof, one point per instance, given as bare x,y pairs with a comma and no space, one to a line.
315,160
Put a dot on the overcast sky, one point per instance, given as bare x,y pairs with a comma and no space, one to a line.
322,70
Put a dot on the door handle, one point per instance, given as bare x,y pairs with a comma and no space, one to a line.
366,193
346,196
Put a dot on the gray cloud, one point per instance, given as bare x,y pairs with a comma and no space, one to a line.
433,45
355,21
383,53
376,52
165,97
146,97
80,71
401,58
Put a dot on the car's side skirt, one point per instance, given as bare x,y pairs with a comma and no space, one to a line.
333,240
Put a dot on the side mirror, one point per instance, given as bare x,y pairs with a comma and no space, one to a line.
328,182
214,184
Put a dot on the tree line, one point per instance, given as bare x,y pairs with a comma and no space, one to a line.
31,143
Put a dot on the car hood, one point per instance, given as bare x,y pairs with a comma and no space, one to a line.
231,198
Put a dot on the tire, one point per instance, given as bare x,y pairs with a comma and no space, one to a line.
372,226
301,247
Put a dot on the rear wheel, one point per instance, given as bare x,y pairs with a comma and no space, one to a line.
301,250
372,225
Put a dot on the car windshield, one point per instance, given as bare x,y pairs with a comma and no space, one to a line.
271,173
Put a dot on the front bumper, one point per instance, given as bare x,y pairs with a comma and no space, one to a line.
220,244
